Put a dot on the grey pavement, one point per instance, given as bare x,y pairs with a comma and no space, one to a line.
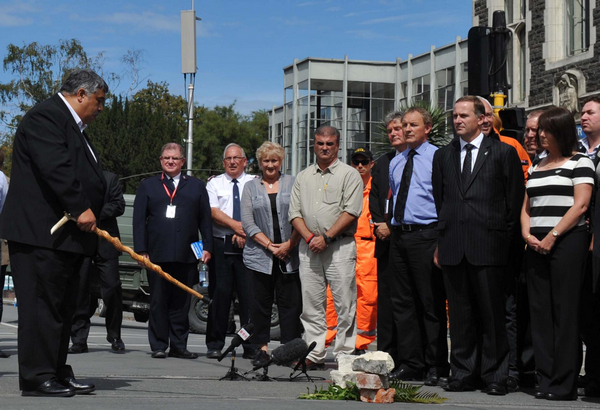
133,380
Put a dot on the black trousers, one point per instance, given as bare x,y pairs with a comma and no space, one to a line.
2,279
476,307
513,271
111,292
525,360
46,283
229,273
418,302
386,328
590,323
284,289
554,283
168,325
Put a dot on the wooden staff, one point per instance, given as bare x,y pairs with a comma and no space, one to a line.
145,261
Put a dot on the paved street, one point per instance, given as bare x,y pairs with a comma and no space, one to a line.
133,380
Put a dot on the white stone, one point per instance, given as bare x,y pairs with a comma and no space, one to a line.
341,378
379,356
345,362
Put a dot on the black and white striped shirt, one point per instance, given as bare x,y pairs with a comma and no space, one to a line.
551,192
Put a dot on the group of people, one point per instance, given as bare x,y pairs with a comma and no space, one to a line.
345,252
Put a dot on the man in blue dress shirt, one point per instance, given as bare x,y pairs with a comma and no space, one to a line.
417,288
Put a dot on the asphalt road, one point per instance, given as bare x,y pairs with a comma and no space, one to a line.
133,380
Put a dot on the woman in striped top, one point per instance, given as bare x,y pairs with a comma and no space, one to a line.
553,225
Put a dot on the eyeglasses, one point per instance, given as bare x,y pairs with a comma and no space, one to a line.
364,162
171,158
231,159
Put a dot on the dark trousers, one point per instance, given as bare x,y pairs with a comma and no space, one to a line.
284,289
108,271
418,302
476,306
554,283
513,271
46,283
2,279
590,324
525,360
386,328
168,325
229,273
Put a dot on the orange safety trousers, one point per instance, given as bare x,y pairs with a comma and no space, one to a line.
366,283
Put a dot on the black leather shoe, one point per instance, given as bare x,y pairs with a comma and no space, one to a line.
406,375
512,384
159,354
540,395
116,344
591,390
77,348
182,353
50,388
250,354
459,386
213,353
495,389
80,388
432,379
4,355
558,397
261,359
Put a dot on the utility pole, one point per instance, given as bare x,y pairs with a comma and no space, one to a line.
188,66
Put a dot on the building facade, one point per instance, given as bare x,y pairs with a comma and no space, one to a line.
552,59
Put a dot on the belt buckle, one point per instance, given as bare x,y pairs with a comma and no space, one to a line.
406,228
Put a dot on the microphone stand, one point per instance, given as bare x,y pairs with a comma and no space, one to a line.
233,373
302,367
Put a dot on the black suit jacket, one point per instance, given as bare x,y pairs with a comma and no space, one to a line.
478,222
114,206
169,239
53,171
380,186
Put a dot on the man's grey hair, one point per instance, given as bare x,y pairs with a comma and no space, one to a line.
86,79
172,145
233,144
328,131
535,114
393,116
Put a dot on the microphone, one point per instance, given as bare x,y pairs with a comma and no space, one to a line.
287,353
303,358
244,333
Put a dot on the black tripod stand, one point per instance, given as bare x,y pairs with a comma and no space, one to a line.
301,365
232,373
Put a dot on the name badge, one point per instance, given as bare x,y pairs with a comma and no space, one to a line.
171,211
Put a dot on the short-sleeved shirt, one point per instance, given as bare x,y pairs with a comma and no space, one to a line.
551,192
321,196
220,195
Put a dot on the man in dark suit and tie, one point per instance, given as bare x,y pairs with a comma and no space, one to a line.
169,210
55,169
104,263
478,190
379,198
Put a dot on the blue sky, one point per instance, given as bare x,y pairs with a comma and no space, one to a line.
242,45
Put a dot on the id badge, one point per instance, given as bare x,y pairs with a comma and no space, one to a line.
171,211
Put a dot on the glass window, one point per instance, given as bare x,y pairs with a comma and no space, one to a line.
421,88
383,90
577,26
359,89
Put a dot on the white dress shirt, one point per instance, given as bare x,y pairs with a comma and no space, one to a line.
79,123
220,195
474,151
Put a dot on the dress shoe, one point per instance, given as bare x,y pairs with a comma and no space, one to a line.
310,365
77,348
80,388
50,388
443,381
406,375
213,353
159,354
540,395
4,355
262,359
250,354
512,384
495,389
116,344
431,379
182,353
459,385
358,352
559,397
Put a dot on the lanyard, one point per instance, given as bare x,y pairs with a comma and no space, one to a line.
171,196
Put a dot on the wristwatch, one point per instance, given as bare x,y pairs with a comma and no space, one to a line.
328,240
555,233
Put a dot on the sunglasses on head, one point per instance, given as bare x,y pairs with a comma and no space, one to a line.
364,162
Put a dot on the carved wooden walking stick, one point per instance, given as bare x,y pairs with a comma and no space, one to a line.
146,262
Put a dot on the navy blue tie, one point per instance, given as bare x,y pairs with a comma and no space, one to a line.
237,215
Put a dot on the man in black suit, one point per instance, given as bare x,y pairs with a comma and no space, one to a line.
55,169
478,190
104,263
379,198
168,211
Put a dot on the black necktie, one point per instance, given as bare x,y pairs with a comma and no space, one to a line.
170,184
466,171
237,215
404,185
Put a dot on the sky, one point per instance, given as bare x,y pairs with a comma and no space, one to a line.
242,45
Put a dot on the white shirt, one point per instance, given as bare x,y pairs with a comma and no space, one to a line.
3,189
474,151
79,123
176,179
220,195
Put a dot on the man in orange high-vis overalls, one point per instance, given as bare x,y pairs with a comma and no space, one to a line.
366,265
